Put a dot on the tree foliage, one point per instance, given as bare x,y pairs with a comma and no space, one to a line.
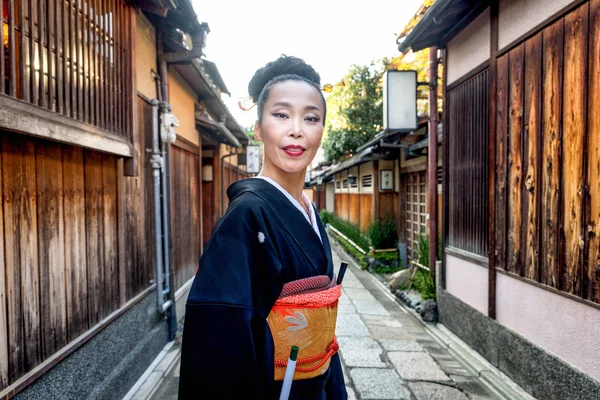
355,111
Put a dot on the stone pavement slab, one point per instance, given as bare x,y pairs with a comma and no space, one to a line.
370,307
374,383
350,325
359,294
346,309
361,351
400,345
390,333
417,366
435,391
382,320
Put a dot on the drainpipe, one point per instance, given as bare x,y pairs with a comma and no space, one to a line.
223,179
157,162
165,178
432,159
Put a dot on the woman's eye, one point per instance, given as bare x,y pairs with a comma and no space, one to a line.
279,115
313,119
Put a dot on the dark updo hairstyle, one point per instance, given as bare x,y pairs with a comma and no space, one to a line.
285,68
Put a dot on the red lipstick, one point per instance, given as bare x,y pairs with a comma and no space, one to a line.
294,150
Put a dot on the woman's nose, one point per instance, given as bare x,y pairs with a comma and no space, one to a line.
296,129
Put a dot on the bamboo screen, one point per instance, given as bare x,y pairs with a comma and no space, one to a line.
71,57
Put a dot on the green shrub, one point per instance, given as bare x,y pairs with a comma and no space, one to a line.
387,257
423,283
383,234
325,216
350,230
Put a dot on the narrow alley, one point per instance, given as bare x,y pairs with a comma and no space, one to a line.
387,352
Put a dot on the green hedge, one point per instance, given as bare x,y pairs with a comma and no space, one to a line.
350,230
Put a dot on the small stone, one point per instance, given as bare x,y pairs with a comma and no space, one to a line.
428,311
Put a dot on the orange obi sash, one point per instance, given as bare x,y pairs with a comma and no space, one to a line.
305,316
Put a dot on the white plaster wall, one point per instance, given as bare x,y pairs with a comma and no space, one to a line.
329,197
468,282
564,327
470,48
517,17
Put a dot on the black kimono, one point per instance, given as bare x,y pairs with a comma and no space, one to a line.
262,242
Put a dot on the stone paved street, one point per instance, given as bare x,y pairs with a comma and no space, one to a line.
386,351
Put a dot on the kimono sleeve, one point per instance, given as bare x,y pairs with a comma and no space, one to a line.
227,345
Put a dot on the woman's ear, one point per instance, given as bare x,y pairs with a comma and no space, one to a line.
257,132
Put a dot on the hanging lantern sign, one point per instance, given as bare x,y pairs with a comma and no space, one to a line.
400,101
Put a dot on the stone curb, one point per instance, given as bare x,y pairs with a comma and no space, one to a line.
151,379
490,376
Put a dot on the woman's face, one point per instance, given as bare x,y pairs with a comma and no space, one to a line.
292,126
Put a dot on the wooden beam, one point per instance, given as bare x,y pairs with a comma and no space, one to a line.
432,159
21,117
376,190
3,296
132,164
121,234
445,174
494,10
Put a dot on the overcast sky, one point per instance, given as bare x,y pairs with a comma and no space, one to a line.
331,35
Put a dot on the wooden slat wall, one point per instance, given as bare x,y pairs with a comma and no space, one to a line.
552,143
593,158
59,252
353,211
209,208
553,210
3,294
501,167
515,159
51,227
574,129
73,58
468,165
185,213
75,230
366,211
139,212
531,156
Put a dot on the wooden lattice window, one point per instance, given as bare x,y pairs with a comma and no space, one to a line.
72,57
467,142
416,211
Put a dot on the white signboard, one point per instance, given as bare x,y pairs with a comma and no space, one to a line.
400,101
253,159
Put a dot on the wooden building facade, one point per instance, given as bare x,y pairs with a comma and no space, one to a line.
386,181
521,268
77,238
